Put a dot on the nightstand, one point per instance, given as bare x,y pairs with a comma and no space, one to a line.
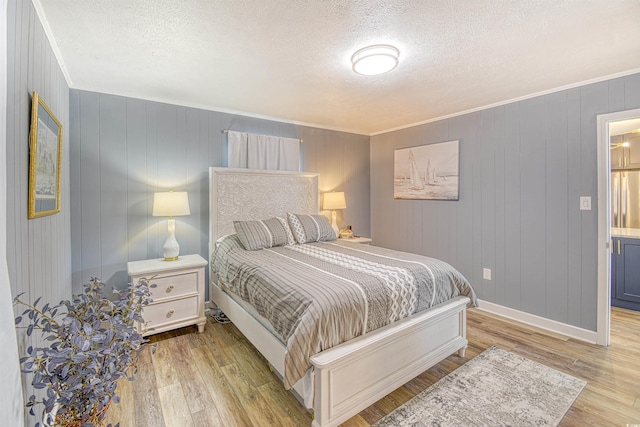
361,240
178,299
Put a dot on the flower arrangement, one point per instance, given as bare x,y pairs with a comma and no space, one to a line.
90,343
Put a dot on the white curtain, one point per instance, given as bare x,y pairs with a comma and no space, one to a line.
11,404
247,150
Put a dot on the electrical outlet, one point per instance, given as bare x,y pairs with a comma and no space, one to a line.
486,273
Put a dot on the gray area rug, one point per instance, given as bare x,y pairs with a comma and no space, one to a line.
496,388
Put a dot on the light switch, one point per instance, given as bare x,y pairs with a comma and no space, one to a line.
585,203
486,273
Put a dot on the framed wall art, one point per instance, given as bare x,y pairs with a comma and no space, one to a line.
427,172
45,160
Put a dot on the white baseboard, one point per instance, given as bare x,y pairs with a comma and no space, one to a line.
539,322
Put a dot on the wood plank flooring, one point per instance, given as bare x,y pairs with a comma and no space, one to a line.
218,379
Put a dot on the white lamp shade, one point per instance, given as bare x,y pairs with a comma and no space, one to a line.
171,203
334,200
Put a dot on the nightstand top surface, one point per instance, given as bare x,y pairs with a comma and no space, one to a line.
356,240
135,268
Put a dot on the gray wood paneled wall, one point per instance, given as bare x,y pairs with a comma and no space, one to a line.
123,150
523,167
38,250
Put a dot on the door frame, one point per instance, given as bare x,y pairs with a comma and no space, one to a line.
603,332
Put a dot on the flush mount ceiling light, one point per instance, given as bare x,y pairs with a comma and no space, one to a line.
376,59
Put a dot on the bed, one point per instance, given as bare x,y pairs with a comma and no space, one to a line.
338,382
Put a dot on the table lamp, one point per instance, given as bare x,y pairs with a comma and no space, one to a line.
171,203
332,201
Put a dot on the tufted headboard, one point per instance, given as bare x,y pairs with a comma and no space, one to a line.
250,194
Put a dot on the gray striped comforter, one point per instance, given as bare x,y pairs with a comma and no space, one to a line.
318,295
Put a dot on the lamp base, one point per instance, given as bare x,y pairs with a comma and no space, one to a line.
334,223
171,248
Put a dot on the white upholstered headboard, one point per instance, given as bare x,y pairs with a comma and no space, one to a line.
250,194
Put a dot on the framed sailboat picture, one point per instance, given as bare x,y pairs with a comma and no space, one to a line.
427,172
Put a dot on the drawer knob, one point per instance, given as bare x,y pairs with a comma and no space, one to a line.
170,313
169,288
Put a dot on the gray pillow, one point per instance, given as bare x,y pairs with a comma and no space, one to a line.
310,228
267,233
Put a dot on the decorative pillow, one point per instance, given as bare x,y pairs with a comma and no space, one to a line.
290,239
310,228
256,235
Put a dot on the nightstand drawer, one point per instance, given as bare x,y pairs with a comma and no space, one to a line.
157,315
178,295
174,286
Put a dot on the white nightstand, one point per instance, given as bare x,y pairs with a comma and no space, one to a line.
361,240
178,299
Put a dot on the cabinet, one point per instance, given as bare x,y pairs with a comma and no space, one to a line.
625,157
625,273
618,157
178,298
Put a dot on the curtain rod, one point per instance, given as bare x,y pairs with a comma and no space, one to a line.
227,131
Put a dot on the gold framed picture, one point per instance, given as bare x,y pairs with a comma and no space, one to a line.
45,160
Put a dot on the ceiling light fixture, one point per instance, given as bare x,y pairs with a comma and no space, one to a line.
376,59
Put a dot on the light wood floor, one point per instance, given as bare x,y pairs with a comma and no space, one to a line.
218,379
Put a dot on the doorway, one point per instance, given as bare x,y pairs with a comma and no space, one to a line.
606,122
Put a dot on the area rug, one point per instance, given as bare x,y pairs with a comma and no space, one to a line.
496,388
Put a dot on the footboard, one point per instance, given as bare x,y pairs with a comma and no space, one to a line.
353,375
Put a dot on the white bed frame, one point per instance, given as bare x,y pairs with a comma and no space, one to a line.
350,377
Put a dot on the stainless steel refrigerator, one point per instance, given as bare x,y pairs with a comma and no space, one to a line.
625,199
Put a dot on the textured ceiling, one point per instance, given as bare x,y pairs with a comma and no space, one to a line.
290,60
